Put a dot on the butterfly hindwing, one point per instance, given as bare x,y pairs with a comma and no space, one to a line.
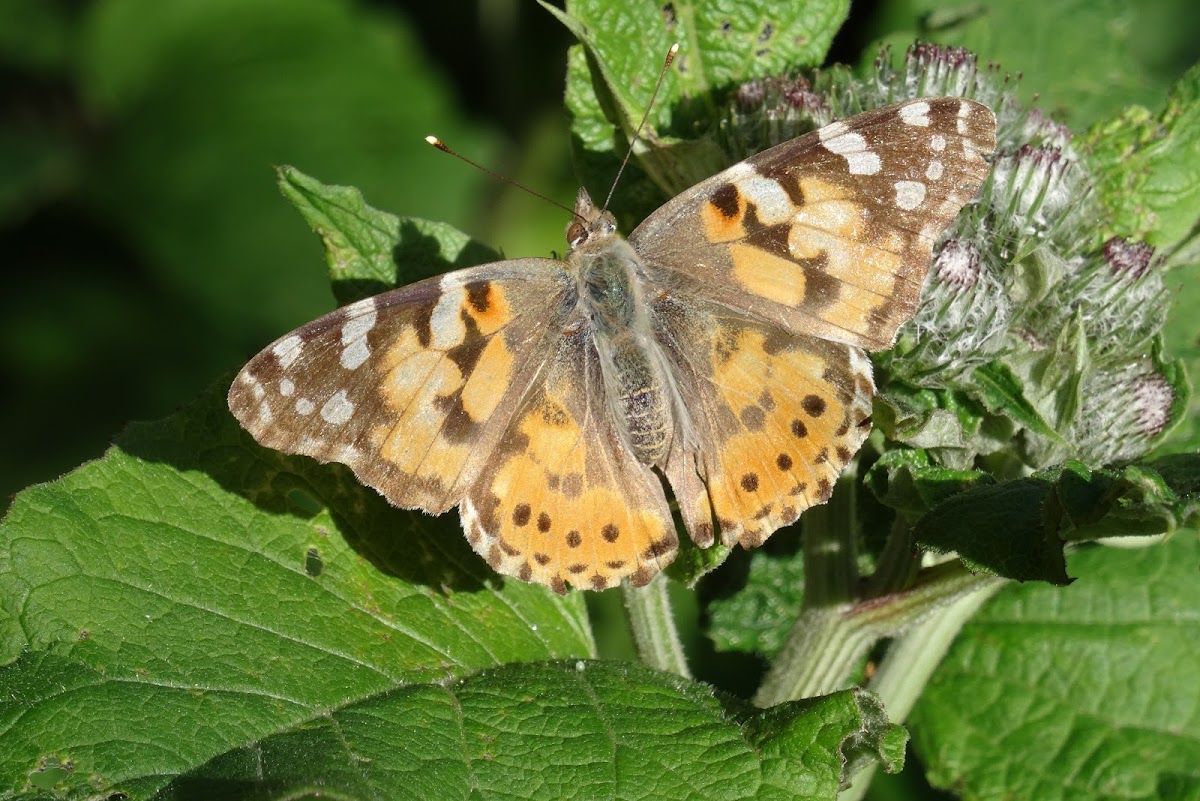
831,233
563,498
412,388
774,418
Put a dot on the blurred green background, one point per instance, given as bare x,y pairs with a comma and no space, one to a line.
148,251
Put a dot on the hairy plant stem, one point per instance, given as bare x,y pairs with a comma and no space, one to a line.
911,660
841,620
652,623
820,646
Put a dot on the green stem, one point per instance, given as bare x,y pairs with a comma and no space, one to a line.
827,644
913,656
821,650
911,660
898,563
653,626
820,645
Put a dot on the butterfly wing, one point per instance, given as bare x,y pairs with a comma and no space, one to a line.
563,498
830,233
411,389
779,270
773,417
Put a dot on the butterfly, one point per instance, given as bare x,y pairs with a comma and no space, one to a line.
716,355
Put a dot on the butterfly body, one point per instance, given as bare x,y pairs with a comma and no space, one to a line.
718,351
616,297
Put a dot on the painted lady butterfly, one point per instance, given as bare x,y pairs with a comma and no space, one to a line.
719,351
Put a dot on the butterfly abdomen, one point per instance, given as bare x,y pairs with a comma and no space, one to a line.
638,391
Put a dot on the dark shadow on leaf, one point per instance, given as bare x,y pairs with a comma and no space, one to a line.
416,256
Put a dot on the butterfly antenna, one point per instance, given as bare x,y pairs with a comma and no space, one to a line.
637,134
442,146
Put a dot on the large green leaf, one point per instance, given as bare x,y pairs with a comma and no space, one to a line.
193,576
1085,693
563,730
297,632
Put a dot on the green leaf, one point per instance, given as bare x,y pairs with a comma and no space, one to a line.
1003,392
1111,54
1074,694
722,43
1148,167
1018,529
370,251
851,723
951,425
553,730
756,615
173,580
743,40
909,482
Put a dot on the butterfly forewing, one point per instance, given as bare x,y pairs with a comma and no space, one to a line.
830,233
412,388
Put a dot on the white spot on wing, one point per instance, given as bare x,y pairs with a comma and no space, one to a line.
771,202
361,319
964,110
264,414
305,407
838,138
934,171
354,354
361,310
909,194
915,114
338,409
739,171
937,142
287,350
257,391
286,387
445,325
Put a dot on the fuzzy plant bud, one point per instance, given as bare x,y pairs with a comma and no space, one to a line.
1124,410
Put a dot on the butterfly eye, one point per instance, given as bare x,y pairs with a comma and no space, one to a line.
576,233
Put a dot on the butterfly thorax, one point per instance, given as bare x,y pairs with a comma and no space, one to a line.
610,280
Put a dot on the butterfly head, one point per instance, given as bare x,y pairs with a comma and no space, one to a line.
591,224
